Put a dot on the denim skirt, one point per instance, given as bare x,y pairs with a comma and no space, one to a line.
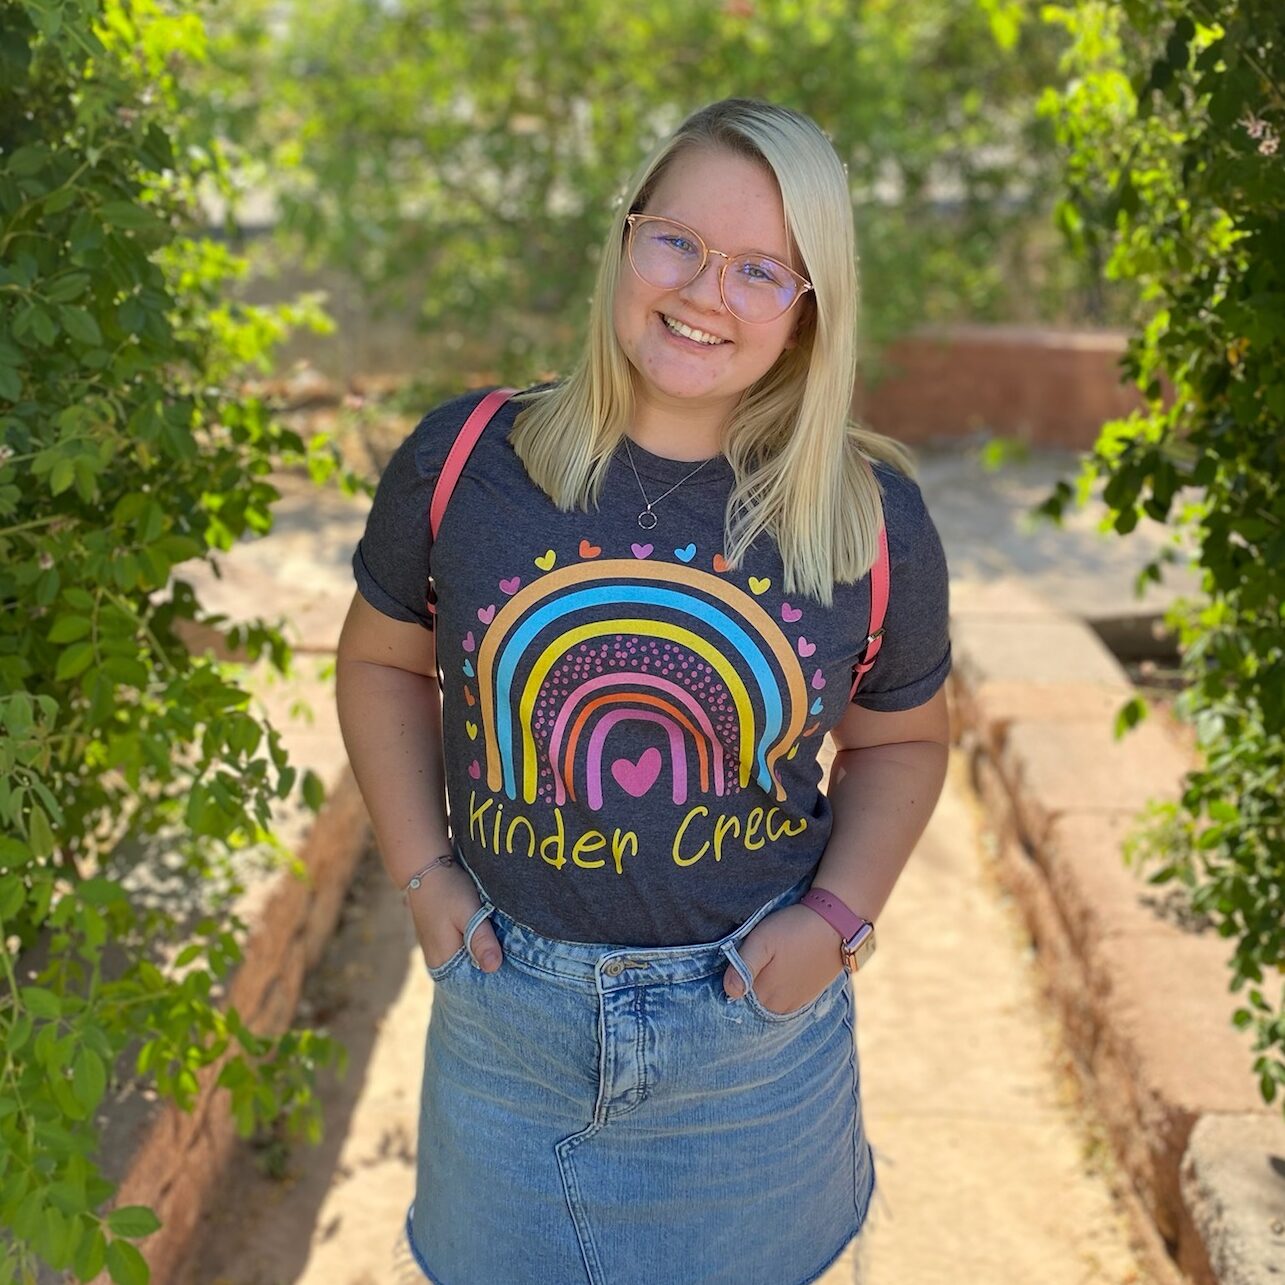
603,1114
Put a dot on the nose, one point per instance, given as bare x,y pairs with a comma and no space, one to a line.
704,291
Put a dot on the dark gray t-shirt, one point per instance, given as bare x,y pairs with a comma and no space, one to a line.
632,728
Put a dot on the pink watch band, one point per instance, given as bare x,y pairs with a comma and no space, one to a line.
833,911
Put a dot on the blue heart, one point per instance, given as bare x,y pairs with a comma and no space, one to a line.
468,667
687,554
815,707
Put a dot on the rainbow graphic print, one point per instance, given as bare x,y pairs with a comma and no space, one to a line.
578,654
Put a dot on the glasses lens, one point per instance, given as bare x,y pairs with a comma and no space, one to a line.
757,288
664,254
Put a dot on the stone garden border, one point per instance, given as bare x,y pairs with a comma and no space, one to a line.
1143,998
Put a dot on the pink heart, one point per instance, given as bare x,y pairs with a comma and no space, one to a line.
806,648
642,550
486,614
637,778
818,680
469,641
790,614
475,769
510,586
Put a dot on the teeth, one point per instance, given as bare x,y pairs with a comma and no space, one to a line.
699,335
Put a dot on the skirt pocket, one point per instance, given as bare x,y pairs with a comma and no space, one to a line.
448,966
760,1010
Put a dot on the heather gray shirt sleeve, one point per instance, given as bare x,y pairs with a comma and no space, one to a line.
391,563
915,657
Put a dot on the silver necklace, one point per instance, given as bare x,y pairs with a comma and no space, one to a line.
647,513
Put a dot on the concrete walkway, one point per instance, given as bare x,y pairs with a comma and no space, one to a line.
988,1170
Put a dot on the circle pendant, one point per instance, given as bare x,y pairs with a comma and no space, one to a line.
647,519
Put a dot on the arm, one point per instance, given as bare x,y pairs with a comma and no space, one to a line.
390,715
887,776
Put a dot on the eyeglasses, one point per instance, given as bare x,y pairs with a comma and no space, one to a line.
670,255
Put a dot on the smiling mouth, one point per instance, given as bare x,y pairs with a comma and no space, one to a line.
702,338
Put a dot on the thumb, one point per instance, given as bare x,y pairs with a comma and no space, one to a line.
486,947
753,957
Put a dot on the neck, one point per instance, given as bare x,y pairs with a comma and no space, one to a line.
679,429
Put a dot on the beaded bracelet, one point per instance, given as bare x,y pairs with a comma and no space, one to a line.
446,859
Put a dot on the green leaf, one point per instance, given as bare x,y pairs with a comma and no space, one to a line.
39,833
68,628
74,660
134,1221
66,288
62,475
126,1265
314,790
91,1256
80,324
89,1078
125,214
10,384
40,1001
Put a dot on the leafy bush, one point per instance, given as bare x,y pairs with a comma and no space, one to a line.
1172,118
126,763
460,157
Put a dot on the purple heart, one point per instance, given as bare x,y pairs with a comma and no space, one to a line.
486,614
469,641
475,769
818,680
637,778
790,614
806,648
510,586
642,550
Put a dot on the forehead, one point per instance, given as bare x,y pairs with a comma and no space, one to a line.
731,200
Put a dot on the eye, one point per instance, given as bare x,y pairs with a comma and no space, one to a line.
762,272
675,241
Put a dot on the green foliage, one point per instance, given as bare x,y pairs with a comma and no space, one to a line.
1172,118
129,768
463,155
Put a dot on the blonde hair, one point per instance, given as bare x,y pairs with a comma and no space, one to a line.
801,466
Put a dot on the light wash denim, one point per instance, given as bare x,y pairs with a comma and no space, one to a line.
602,1114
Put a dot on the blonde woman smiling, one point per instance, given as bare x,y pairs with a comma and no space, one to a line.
658,586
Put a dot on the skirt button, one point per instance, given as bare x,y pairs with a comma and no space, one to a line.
613,968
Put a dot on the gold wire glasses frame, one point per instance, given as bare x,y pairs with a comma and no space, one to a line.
801,283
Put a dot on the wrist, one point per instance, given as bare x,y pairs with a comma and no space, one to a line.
855,933
425,873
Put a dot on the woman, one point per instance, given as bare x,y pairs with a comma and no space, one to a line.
653,582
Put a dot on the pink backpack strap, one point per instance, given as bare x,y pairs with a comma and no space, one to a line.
465,440
880,581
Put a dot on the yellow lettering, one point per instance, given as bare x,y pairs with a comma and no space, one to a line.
557,841
721,827
476,816
513,825
619,842
785,826
752,823
699,810
589,842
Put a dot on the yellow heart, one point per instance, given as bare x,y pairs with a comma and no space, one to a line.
760,586
545,561
471,729
794,749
